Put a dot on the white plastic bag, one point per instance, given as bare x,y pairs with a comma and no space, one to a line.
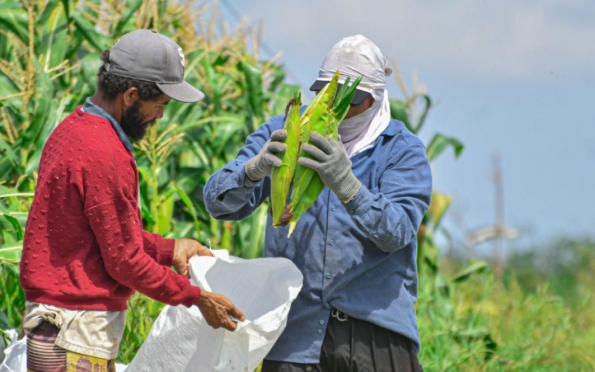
180,339
15,355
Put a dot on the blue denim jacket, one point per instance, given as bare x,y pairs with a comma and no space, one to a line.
359,258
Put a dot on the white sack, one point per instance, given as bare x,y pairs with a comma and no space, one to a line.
180,339
15,355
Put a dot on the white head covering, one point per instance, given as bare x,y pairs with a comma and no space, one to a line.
357,56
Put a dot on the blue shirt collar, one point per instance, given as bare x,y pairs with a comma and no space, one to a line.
93,109
394,128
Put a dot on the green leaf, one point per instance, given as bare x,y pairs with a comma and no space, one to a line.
16,225
146,214
165,209
477,334
65,4
10,193
398,111
12,253
440,143
10,4
438,207
50,5
214,84
43,106
54,42
254,92
9,87
4,324
343,103
254,233
278,75
464,274
441,285
188,203
86,28
131,7
428,105
7,152
16,21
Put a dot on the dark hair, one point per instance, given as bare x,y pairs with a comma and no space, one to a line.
111,84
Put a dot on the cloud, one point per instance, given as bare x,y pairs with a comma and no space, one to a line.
476,39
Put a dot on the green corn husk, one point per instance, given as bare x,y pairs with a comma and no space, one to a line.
322,115
303,121
282,176
342,105
307,183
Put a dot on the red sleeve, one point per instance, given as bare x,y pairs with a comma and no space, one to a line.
159,248
118,231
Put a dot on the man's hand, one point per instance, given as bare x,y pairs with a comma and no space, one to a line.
218,310
184,249
262,164
332,163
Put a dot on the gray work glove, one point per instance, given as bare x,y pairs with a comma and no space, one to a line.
262,164
332,163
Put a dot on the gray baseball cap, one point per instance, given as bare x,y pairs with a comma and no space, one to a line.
149,56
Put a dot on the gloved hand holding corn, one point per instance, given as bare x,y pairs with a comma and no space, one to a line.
322,116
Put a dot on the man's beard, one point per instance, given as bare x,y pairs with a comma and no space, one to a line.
132,123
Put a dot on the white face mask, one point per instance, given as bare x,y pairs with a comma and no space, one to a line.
350,128
359,132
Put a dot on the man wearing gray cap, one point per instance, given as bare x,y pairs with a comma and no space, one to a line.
85,252
356,246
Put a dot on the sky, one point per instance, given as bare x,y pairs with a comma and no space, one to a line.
511,77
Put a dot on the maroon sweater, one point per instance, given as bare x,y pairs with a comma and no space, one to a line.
84,245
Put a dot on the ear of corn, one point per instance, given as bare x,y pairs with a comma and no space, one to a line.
307,185
315,187
283,176
341,106
323,116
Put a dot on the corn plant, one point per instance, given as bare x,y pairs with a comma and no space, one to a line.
49,56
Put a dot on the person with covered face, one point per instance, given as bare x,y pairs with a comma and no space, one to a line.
356,246
85,251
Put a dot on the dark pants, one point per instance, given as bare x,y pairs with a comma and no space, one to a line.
357,346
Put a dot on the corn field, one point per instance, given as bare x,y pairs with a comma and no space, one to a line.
49,56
